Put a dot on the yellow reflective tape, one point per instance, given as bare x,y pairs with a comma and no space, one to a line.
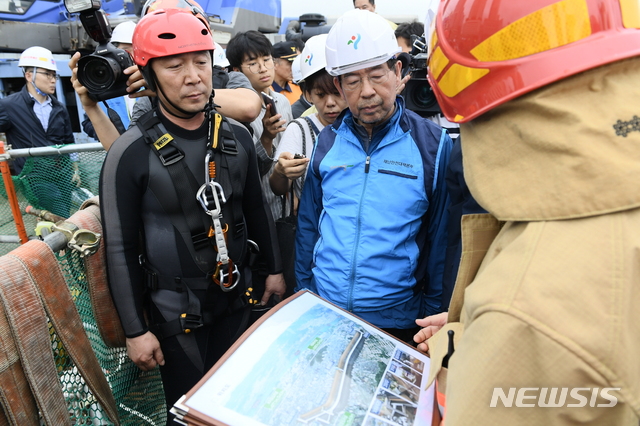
437,62
630,13
218,120
553,26
434,38
458,118
162,141
458,77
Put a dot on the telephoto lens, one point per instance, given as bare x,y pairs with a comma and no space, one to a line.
102,72
99,73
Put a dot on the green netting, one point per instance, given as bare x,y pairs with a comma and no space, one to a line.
47,183
139,395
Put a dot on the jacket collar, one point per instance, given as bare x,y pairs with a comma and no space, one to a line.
346,125
30,100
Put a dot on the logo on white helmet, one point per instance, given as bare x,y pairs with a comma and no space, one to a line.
355,39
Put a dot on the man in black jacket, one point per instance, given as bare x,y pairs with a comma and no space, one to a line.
34,117
187,182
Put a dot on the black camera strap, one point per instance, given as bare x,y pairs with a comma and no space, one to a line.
115,118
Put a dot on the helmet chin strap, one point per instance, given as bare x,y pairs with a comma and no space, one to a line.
33,82
186,114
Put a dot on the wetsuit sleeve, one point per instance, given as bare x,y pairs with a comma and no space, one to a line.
307,230
122,184
438,227
260,225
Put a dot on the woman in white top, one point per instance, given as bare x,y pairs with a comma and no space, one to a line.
300,136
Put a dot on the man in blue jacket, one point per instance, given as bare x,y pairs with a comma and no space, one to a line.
372,219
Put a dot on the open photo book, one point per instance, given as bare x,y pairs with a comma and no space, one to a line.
308,362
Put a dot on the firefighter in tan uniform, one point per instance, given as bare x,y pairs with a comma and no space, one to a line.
545,309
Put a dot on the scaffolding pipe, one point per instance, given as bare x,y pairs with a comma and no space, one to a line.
51,150
56,240
10,239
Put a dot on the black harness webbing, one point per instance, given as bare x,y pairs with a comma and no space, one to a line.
194,317
171,157
229,146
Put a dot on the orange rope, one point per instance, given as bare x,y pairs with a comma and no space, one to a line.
13,198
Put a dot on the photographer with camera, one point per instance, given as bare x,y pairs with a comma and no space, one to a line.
406,34
234,96
122,38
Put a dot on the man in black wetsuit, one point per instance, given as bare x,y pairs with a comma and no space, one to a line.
180,196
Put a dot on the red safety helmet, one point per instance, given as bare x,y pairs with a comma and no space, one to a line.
186,5
484,53
166,33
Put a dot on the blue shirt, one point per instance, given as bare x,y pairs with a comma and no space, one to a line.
42,111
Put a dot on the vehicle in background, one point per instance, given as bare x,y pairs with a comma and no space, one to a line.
46,23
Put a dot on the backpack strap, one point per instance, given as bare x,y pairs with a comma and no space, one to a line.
312,126
313,129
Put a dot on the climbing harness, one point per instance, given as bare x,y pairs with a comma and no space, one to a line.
211,198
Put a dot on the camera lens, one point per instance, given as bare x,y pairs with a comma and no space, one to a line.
423,96
97,73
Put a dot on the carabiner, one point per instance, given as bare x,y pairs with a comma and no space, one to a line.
226,280
217,193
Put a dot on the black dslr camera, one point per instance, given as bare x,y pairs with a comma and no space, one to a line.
418,94
102,71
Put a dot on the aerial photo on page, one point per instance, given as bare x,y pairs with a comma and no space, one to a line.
320,366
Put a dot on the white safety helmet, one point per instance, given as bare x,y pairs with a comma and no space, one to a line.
123,32
38,57
295,69
219,57
358,40
313,56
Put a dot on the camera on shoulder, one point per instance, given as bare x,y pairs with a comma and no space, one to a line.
418,94
101,72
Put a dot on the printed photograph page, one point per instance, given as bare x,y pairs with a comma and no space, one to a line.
310,363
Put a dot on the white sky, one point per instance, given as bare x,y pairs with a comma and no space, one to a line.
411,9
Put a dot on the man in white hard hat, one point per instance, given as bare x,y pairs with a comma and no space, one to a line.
220,57
122,36
376,178
34,117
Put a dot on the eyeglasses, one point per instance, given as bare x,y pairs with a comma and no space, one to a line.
256,65
50,75
353,82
